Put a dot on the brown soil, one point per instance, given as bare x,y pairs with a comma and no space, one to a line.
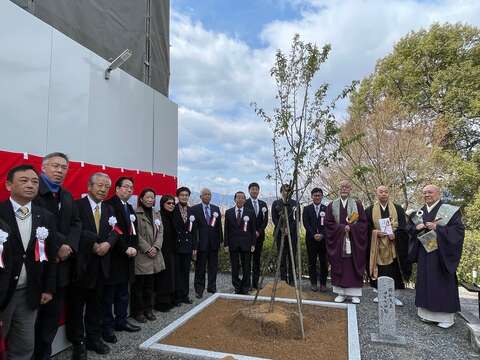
237,327
286,291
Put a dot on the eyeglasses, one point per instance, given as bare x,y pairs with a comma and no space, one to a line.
170,203
127,187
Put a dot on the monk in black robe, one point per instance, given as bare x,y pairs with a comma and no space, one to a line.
437,233
388,242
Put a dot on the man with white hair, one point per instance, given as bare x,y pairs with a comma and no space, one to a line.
210,236
437,234
98,237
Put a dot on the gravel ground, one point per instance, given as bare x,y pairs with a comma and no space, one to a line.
424,341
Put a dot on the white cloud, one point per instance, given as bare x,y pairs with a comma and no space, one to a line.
215,77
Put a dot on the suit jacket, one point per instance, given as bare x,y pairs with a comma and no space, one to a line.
261,220
123,265
312,223
236,238
277,208
41,276
68,225
187,241
209,237
89,266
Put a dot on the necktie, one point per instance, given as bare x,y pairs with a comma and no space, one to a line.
239,216
23,213
127,213
255,206
316,210
96,216
207,214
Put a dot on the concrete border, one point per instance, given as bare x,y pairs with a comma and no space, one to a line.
153,342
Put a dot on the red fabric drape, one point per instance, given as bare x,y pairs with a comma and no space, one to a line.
78,174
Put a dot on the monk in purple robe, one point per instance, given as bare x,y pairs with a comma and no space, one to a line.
436,242
347,239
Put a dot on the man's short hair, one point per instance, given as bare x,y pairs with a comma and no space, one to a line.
55,154
238,192
91,179
11,173
253,184
120,180
316,190
183,188
285,187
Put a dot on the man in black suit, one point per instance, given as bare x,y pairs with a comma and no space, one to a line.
260,209
240,241
98,237
185,224
56,199
210,237
314,223
28,267
286,270
122,263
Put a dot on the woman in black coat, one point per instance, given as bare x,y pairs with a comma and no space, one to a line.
165,280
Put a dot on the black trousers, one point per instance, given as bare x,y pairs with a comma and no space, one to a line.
204,259
85,313
286,270
236,257
46,325
317,250
182,276
256,265
142,294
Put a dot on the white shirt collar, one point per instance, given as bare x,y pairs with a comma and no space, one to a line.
344,202
123,202
384,207
429,208
93,204
17,206
236,210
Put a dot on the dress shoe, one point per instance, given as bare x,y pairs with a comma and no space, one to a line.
187,301
375,299
79,352
149,315
140,318
323,288
198,295
340,299
109,338
128,327
98,346
314,288
178,303
212,291
445,325
355,300
163,307
398,302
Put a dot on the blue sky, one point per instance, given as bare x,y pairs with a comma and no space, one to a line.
221,54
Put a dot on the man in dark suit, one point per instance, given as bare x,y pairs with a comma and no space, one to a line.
286,270
210,236
260,209
122,263
185,224
28,267
314,223
98,237
53,197
240,241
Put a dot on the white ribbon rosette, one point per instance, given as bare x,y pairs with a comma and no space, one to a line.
132,225
3,239
322,217
157,224
264,210
190,225
112,221
419,214
246,219
40,253
214,219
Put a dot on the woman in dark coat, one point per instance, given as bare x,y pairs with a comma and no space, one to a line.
165,280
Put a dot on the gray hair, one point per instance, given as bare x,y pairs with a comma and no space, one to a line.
93,177
205,190
54,154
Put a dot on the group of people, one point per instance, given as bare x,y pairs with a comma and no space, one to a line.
99,258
